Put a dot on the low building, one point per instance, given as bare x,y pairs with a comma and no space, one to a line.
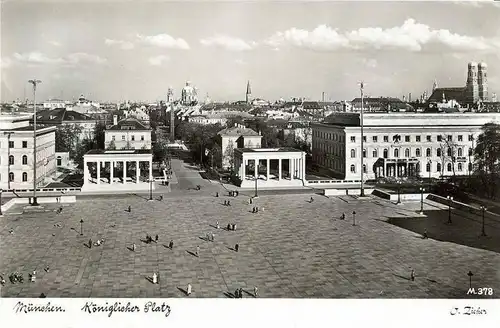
398,144
63,116
16,152
237,137
127,134
54,103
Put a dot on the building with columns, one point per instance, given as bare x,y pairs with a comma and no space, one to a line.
398,144
16,152
270,167
111,170
237,137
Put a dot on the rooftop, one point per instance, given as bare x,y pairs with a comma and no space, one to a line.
238,131
270,150
61,115
129,124
118,152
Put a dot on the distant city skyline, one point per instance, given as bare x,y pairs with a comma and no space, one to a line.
130,50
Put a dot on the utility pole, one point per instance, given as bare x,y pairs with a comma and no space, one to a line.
362,194
34,82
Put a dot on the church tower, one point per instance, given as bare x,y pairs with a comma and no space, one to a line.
472,86
249,93
482,81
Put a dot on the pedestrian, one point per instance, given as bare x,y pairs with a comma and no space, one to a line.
255,291
236,247
256,209
47,269
90,243
241,292
212,235
237,193
343,216
133,247
425,234
228,203
161,197
217,194
225,203
171,244
188,292
253,209
197,250
129,209
412,275
234,226
156,238
228,227
237,293
312,200
217,225
155,278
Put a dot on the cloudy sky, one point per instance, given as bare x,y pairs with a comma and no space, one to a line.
120,50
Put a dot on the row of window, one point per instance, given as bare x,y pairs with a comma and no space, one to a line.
12,177
12,160
123,138
407,152
12,144
449,167
397,138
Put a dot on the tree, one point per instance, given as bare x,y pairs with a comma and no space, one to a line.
112,145
67,136
99,135
229,155
487,157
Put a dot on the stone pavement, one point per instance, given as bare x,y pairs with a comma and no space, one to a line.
291,248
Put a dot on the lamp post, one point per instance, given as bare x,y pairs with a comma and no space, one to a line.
81,227
450,199
256,195
361,86
470,274
430,170
150,189
1,191
34,82
421,200
399,192
483,232
353,218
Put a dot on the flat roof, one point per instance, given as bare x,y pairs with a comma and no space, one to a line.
119,152
270,150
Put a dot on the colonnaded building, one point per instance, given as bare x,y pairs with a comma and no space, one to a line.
398,144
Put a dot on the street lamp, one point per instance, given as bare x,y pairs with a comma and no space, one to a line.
361,86
1,191
470,274
430,170
150,189
450,199
34,82
421,200
483,209
353,218
256,179
81,227
399,193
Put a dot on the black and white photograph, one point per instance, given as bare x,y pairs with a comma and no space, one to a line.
250,150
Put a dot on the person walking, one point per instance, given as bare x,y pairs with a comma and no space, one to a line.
228,227
412,275
217,225
212,236
236,247
129,209
312,200
197,250
155,278
133,247
237,293
425,234
90,243
217,194
156,238
255,291
171,244
188,291
241,292
228,203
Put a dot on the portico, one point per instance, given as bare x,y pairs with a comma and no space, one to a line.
115,170
270,167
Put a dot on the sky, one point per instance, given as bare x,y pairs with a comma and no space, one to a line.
135,50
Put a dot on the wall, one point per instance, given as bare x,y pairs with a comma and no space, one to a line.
128,135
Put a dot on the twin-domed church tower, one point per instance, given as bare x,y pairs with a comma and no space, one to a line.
476,88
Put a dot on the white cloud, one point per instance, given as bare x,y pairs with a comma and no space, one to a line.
158,60
228,43
55,43
410,36
38,58
125,45
164,41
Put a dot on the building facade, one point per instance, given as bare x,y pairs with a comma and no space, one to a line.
127,134
16,152
237,137
399,144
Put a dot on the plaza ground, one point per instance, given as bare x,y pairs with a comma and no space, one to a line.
290,249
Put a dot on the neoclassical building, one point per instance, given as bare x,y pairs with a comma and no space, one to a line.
398,144
237,137
16,152
127,134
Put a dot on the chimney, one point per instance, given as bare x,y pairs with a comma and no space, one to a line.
115,119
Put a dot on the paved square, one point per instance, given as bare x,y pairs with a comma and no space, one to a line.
291,248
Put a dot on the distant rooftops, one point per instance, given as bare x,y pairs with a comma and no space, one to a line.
61,115
238,131
129,124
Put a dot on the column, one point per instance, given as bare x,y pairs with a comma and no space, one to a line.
279,169
256,173
85,172
385,169
111,171
267,168
303,166
137,171
98,172
291,168
243,169
150,169
124,172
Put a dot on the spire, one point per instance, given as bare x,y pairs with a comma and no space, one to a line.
435,85
249,89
